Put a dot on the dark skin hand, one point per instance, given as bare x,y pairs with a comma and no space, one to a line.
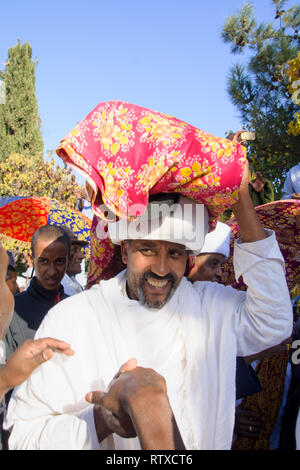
137,404
258,184
250,227
247,423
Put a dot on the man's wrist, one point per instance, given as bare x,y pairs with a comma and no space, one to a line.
101,427
152,417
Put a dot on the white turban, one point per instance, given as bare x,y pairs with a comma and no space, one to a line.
218,240
184,222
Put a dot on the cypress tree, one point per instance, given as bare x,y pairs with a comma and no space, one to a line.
19,120
259,88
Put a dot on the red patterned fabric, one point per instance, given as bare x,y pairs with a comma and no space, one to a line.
128,152
284,218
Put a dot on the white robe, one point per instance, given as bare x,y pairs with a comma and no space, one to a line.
71,285
192,341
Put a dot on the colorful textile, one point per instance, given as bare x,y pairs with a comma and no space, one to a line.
127,152
284,218
21,217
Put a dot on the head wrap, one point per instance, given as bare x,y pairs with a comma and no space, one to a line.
128,153
218,241
184,222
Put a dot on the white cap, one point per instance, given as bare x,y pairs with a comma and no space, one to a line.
218,240
174,218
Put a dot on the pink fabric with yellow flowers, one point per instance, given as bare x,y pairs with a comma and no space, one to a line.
127,152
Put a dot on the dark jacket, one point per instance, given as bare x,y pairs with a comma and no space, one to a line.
31,306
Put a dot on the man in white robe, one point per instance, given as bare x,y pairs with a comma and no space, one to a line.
188,333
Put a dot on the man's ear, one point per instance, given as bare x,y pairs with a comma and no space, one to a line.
124,252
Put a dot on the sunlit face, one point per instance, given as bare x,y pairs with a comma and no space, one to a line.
50,263
154,270
76,257
207,267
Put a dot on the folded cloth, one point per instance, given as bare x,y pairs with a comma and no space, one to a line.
127,152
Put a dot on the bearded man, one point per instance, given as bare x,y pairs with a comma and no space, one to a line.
190,334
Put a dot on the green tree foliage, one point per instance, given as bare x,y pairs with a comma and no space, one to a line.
33,176
259,90
19,120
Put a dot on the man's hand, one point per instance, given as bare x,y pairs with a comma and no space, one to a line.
259,183
236,137
296,196
6,297
250,227
247,423
28,357
108,414
137,404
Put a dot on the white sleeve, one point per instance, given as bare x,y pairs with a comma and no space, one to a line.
264,317
287,189
49,410
55,432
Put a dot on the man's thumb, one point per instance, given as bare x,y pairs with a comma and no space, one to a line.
95,397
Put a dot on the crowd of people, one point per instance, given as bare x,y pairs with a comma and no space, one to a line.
163,355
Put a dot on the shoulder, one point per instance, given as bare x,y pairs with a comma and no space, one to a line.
212,293
76,306
22,300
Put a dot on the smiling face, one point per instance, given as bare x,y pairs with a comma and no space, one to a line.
76,257
154,270
207,267
50,260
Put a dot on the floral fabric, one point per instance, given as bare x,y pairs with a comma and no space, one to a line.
127,152
284,218
21,217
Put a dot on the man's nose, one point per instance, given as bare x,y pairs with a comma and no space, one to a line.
52,269
160,267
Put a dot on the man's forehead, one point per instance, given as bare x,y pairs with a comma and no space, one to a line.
49,243
158,244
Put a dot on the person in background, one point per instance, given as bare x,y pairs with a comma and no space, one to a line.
11,279
69,281
207,266
291,187
50,248
84,204
26,358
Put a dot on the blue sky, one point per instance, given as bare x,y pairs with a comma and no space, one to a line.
166,55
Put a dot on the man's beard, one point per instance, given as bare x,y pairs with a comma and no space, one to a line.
157,304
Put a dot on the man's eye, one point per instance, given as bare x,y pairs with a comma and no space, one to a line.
177,254
61,261
147,251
